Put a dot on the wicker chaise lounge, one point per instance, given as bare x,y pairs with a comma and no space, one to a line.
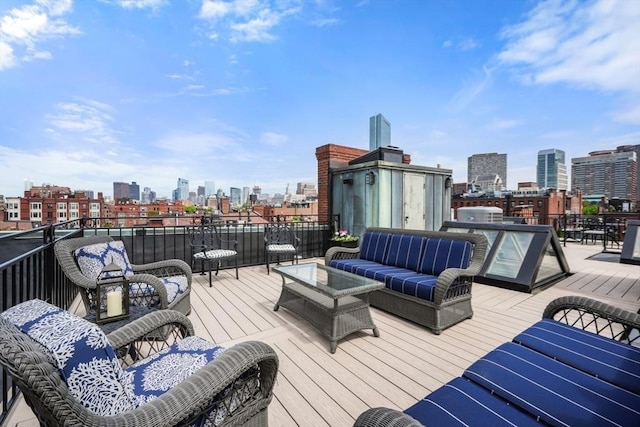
427,274
578,366
70,373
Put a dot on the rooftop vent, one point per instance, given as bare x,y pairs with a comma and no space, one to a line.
387,154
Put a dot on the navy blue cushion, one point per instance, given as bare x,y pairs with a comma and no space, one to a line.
440,254
404,251
462,403
351,265
412,283
373,246
555,392
370,269
599,356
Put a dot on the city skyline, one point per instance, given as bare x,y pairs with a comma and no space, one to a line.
243,92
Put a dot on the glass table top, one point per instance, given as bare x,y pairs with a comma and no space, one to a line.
328,280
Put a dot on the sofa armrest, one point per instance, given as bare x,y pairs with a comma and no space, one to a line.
385,417
339,252
449,277
596,316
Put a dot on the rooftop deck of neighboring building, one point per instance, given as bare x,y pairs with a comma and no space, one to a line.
316,388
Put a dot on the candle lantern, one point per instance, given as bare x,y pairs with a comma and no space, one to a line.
112,295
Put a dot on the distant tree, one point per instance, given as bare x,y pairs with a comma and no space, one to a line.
589,208
190,209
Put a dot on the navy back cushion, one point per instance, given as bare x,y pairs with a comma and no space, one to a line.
440,254
373,246
404,251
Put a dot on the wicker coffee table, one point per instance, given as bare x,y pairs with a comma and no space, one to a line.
332,300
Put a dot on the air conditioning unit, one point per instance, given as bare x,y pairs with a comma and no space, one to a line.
480,214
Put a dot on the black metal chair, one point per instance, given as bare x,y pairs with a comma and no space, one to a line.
208,246
279,240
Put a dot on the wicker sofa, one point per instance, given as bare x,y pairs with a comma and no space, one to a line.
427,274
578,366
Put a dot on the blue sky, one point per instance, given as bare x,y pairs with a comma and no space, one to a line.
242,92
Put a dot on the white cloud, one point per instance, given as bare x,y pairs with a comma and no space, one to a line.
628,114
471,90
194,87
503,124
7,58
213,9
467,44
87,120
273,139
24,29
325,22
257,29
244,20
591,44
141,4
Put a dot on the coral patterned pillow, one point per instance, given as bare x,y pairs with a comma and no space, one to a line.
93,258
82,353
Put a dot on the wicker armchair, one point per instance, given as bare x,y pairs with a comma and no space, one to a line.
162,284
280,240
235,388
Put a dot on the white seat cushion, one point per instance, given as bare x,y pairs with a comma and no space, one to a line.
215,254
281,248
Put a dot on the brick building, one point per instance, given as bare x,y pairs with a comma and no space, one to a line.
538,206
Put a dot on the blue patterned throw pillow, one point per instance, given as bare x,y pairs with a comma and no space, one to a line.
82,353
93,258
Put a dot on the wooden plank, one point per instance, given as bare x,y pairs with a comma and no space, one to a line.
317,388
325,408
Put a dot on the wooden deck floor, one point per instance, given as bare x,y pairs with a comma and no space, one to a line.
316,388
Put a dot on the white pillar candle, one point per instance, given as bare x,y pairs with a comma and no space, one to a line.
114,303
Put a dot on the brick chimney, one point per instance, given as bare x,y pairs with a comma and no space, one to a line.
329,157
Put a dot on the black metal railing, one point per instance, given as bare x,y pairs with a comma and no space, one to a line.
29,269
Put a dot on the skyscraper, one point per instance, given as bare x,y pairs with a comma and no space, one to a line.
610,173
552,170
209,189
487,164
182,192
121,190
146,195
134,191
235,196
379,132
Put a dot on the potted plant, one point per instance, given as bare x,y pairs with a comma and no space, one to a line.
343,238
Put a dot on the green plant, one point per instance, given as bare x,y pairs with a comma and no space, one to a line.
589,208
344,236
